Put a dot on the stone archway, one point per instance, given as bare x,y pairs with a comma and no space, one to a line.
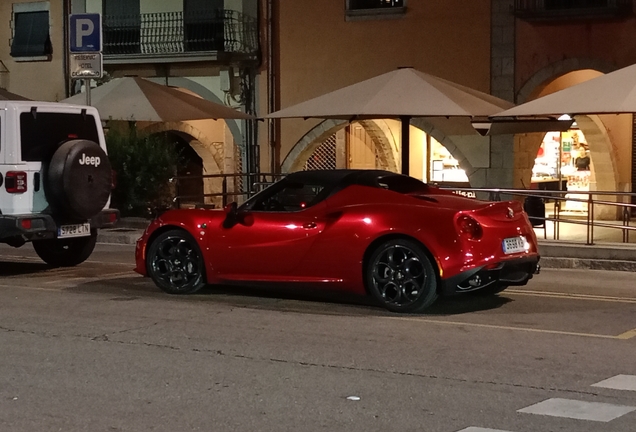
205,93
303,150
604,171
211,153
305,147
452,146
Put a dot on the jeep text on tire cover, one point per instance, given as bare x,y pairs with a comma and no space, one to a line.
55,179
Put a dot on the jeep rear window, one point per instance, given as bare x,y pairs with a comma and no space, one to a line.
42,133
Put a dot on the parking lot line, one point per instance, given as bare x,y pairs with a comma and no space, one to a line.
571,296
623,336
627,335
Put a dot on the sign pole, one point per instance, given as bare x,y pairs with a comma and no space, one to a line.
85,46
87,87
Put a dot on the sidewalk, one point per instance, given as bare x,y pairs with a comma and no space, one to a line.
570,251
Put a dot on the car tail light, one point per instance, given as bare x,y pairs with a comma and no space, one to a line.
113,183
26,224
469,227
15,181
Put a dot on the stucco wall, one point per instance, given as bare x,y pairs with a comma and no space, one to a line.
42,80
542,44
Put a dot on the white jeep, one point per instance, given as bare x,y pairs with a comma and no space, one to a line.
55,179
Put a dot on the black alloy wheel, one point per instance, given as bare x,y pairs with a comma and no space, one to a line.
175,264
400,275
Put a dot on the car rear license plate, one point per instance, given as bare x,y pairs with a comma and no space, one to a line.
514,245
76,230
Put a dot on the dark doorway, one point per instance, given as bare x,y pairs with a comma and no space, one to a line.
190,165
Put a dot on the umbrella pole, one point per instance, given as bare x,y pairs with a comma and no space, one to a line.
406,144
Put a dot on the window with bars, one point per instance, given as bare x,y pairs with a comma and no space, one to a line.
324,157
122,26
31,39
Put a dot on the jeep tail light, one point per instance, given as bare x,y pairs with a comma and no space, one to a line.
15,181
469,227
26,224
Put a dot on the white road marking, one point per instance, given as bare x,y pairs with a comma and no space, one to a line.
619,382
580,410
478,429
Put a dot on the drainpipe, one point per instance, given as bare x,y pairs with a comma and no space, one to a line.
66,11
271,87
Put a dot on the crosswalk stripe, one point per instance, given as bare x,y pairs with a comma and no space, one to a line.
580,410
478,429
618,382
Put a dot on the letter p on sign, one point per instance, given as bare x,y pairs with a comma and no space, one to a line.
85,27
85,33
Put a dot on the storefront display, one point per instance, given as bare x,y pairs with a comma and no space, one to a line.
444,168
563,163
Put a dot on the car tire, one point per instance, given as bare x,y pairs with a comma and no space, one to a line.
66,252
78,180
175,263
490,290
401,277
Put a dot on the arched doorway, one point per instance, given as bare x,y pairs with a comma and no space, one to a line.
585,158
374,144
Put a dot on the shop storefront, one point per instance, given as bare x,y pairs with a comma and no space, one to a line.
563,164
442,167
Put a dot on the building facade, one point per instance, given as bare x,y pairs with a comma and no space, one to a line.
264,55
514,49
209,48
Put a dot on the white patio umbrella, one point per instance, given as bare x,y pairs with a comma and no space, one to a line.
7,95
613,93
138,99
401,94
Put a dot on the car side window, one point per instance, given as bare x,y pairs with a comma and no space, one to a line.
292,197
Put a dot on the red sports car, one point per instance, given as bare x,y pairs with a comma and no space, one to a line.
365,231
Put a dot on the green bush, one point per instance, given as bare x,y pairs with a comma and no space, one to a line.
143,165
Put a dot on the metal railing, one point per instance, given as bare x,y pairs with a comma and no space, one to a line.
169,33
588,207
557,9
231,187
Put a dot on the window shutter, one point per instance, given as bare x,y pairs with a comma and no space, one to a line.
31,38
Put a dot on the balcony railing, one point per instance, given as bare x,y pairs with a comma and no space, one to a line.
179,33
572,9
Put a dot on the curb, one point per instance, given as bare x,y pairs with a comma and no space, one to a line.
587,264
127,236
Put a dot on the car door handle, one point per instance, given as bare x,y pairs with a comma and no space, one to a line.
309,225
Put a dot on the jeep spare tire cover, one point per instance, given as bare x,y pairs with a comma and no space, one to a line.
79,179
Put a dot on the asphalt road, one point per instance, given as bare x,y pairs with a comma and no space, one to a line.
98,348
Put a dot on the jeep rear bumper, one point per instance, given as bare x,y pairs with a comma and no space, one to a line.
16,229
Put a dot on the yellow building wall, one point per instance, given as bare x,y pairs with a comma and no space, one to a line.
322,52
38,80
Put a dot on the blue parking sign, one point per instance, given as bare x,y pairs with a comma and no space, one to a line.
85,32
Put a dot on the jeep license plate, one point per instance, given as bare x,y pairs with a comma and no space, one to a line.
514,245
76,230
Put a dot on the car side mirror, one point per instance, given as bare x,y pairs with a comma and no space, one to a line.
234,216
